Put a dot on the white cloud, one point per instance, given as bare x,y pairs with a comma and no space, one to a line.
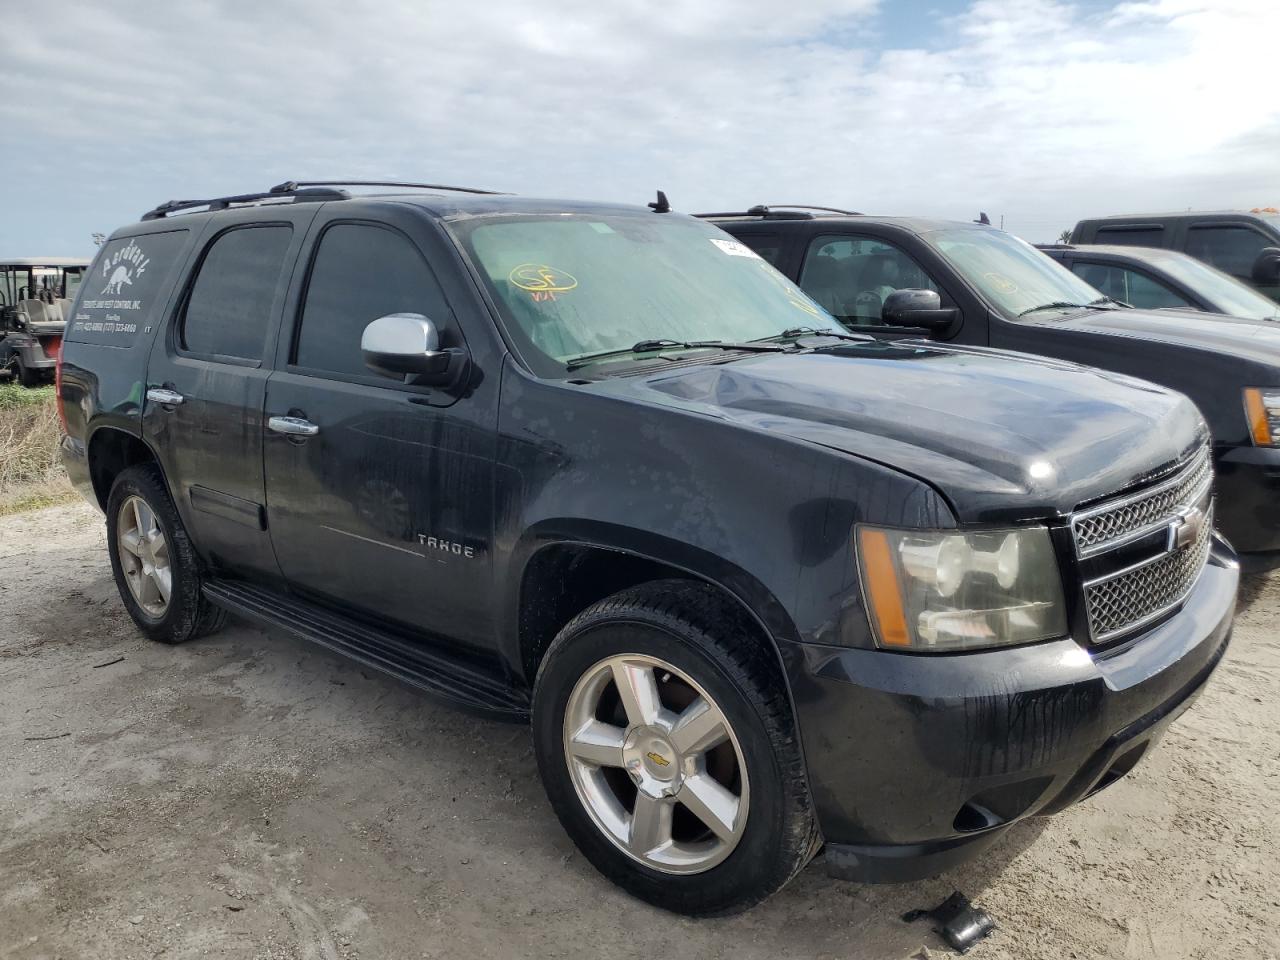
1043,110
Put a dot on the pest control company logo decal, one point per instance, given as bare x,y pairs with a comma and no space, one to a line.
119,271
542,282
121,267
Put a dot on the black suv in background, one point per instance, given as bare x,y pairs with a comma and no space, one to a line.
1244,244
969,283
1152,279
758,583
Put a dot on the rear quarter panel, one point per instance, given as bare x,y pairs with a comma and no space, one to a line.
109,333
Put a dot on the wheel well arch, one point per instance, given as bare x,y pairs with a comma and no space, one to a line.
563,578
110,452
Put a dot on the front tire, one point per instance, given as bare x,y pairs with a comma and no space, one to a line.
155,566
668,750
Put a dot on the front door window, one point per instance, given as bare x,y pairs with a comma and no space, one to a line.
1231,249
1128,286
853,276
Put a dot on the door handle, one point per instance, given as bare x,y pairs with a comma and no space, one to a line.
293,426
165,397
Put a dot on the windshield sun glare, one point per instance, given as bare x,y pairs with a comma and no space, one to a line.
571,287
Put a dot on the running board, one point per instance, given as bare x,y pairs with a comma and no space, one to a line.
460,682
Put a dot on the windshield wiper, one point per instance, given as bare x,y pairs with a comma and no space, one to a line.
1106,302
1056,305
651,346
794,332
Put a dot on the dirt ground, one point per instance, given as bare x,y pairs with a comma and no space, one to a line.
248,796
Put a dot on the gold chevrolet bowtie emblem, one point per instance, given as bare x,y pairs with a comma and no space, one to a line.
658,758
1186,527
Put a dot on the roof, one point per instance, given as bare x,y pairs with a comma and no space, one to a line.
1148,254
43,262
910,224
462,206
440,201
1183,213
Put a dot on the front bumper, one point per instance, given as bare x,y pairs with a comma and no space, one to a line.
1247,504
916,763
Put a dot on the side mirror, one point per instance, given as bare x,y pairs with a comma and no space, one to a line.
917,308
1266,269
406,347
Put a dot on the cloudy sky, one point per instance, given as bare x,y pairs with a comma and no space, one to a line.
1040,111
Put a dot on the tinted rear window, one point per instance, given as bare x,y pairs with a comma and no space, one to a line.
1131,236
234,292
120,289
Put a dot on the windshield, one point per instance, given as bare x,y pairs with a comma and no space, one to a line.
1226,292
71,282
1010,273
570,286
34,282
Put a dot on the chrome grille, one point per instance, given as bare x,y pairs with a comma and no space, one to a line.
1125,594
1108,524
1131,599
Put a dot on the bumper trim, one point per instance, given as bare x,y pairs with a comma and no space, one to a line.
907,862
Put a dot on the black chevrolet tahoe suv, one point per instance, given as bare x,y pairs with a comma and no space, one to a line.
968,283
758,584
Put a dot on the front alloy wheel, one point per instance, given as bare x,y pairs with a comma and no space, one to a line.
153,561
656,764
668,749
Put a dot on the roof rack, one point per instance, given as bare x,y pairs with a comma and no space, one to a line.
780,211
223,203
290,186
300,191
810,206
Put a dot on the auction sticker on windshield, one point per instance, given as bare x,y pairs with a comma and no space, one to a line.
733,248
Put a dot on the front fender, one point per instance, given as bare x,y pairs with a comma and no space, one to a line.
764,515
687,559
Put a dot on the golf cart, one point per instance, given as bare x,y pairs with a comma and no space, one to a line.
36,294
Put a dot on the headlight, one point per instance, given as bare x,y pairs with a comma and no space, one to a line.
1263,409
935,591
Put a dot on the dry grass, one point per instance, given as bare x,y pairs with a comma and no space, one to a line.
31,474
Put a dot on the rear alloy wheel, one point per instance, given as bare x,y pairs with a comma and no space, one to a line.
668,749
669,789
156,568
144,556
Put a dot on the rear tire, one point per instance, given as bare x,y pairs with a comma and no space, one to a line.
149,548
690,652
28,378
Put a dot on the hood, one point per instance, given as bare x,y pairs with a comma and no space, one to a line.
1002,436
1257,340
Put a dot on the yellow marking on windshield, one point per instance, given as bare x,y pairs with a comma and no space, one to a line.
542,281
794,296
1001,282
